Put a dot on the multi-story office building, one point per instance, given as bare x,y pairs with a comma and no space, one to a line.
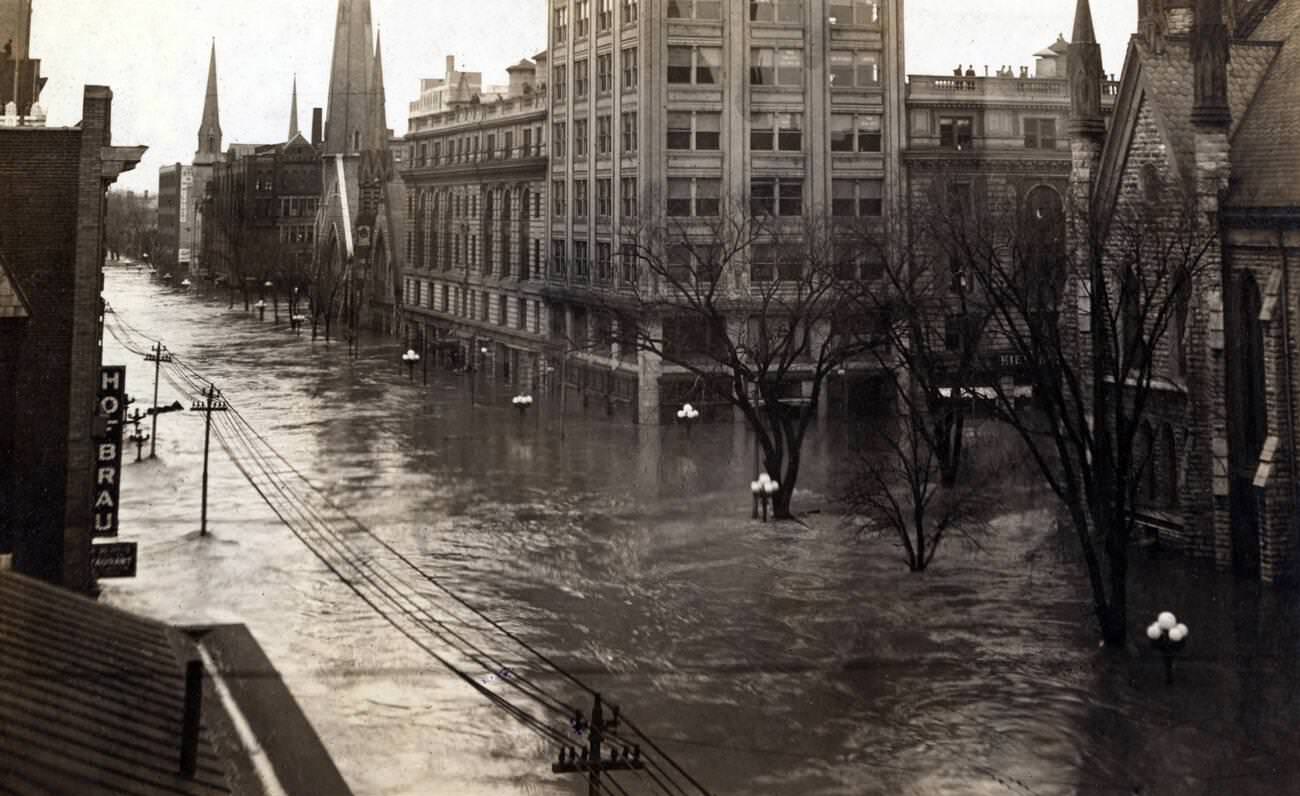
475,169
669,112
991,142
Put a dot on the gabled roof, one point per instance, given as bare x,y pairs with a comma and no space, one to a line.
1166,81
1266,148
12,302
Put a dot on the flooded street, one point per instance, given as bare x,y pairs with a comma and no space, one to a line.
764,658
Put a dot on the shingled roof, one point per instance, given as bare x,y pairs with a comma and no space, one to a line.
91,699
1266,148
12,303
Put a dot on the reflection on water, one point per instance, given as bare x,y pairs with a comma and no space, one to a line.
771,659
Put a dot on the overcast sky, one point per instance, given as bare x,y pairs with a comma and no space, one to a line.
153,53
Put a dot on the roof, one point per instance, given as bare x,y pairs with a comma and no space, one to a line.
1266,148
12,303
91,699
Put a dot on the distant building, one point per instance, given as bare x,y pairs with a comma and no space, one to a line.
360,231
183,187
20,74
475,174
663,111
52,186
1207,116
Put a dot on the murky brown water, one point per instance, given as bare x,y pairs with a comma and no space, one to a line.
768,659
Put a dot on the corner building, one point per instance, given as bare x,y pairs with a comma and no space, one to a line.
662,107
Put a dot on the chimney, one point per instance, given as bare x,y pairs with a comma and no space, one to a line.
316,125
451,67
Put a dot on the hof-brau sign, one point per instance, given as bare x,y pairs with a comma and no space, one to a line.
110,412
113,559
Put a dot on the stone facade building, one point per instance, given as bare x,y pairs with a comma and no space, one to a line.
52,186
664,111
475,174
1206,116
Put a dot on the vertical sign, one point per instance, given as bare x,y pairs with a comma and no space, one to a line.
187,184
110,414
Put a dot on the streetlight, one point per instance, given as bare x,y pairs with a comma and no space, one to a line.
522,402
261,309
688,415
1168,636
275,298
473,381
410,358
763,489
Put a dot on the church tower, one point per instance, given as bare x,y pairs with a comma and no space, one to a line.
209,149
349,93
1087,130
293,112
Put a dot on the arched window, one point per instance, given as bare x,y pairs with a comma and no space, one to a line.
1133,353
1145,451
1044,247
1182,290
1249,343
1170,447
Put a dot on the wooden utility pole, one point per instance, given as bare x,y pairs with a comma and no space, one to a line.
211,404
157,356
591,761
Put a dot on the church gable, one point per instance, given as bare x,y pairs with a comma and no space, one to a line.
12,303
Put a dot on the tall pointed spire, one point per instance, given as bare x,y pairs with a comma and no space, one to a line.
346,116
1210,54
293,112
1086,76
378,117
210,128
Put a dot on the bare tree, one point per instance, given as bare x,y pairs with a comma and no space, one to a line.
761,309
1097,323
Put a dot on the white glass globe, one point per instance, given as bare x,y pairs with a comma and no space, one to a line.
1154,631
755,487
771,487
1166,620
1178,633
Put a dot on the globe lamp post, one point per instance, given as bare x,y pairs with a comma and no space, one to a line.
688,415
1168,636
410,358
763,490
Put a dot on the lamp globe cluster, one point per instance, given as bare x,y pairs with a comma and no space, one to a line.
688,412
1167,627
522,401
764,486
410,356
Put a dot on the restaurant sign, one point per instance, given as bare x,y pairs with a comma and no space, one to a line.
110,414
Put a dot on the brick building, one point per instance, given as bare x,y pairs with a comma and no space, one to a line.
52,186
663,111
1206,115
475,174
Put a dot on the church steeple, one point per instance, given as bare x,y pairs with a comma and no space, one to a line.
346,118
1086,76
293,112
377,116
1210,53
210,128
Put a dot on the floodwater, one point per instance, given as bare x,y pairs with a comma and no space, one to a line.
764,658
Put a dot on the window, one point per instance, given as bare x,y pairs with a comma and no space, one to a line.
605,16
627,258
776,131
557,198
698,196
559,257
694,9
629,68
580,79
604,197
561,83
581,259
521,310
629,11
852,262
776,67
603,270
776,10
629,131
861,133
1040,134
579,138
956,331
528,143
580,200
561,24
851,198
503,310
777,196
699,130
491,145
604,73
627,196
768,261
582,18
854,69
604,135
695,65
956,132
855,12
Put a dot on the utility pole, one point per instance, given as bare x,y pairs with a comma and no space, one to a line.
136,437
157,356
210,404
591,761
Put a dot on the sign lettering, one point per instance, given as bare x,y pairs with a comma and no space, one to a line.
110,410
113,559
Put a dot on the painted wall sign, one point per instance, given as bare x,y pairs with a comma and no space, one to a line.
113,559
110,414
